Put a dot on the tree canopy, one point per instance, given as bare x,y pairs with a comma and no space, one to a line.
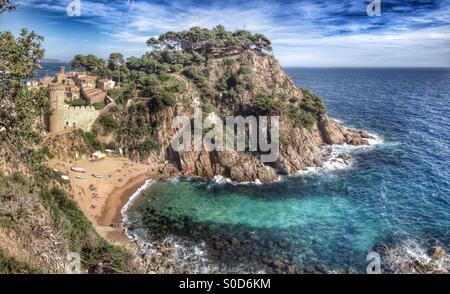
216,42
115,60
92,64
6,6
19,107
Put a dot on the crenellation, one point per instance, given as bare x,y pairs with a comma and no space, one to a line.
65,87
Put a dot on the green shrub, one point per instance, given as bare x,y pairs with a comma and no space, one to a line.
312,103
228,61
293,99
99,106
35,157
78,102
161,100
174,85
148,145
266,103
91,140
108,122
206,105
123,94
245,70
194,73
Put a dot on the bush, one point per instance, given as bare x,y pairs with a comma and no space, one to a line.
99,106
266,103
78,102
173,85
148,145
194,73
206,106
301,118
245,70
160,101
312,103
91,141
108,122
123,94
36,157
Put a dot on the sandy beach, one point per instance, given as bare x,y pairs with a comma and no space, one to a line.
104,189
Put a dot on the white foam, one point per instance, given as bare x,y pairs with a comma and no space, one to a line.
224,180
376,141
135,195
126,222
402,255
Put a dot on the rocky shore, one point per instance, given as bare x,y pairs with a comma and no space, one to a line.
411,257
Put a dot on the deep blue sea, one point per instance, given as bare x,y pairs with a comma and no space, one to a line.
394,192
51,68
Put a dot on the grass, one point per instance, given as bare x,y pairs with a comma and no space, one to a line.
12,266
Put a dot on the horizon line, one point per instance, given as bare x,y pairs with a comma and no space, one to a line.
55,60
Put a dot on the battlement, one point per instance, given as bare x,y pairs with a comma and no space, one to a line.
74,107
56,87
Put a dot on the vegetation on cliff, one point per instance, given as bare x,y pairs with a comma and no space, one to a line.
228,73
39,222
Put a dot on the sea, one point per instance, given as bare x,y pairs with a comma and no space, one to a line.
394,193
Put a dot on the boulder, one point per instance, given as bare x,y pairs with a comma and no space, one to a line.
344,156
436,252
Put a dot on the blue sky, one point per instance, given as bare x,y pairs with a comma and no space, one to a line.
303,32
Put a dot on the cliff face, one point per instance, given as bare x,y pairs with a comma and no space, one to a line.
246,84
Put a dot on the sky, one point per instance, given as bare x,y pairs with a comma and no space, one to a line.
306,33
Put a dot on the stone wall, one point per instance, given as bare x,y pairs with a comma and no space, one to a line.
82,117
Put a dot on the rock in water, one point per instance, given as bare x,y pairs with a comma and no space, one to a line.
436,252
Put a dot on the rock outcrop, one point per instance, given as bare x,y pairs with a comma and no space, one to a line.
250,83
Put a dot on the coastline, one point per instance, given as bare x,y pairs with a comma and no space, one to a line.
102,199
118,198
109,222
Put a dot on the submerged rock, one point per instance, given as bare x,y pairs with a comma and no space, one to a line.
344,156
436,252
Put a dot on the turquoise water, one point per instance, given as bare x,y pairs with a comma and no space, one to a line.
328,220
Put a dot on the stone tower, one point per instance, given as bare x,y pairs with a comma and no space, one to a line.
56,100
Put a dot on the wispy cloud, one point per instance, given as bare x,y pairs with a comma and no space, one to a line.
304,32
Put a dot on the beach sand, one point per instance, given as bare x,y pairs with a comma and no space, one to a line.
101,199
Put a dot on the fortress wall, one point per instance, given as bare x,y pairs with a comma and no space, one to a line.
82,117
56,100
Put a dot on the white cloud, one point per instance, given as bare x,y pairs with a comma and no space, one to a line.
302,40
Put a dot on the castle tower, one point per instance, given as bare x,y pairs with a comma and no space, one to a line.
56,100
62,70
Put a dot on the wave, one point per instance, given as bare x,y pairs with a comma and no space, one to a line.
224,180
336,160
411,256
190,256
127,222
